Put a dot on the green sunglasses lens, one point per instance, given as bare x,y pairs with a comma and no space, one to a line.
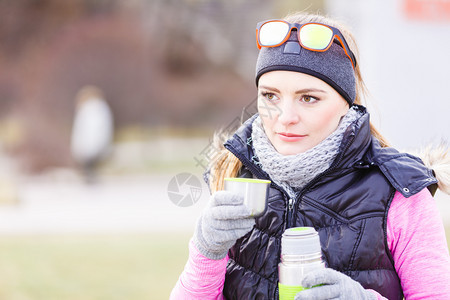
315,36
273,33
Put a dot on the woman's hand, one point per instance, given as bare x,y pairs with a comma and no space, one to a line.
223,221
330,284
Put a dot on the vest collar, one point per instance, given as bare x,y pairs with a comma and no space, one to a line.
406,173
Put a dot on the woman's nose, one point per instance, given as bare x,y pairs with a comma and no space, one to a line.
288,114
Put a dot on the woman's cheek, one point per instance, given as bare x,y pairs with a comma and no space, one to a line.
328,122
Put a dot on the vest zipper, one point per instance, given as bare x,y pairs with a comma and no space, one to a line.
329,170
293,203
290,212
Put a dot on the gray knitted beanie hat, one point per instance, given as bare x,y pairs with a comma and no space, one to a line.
331,66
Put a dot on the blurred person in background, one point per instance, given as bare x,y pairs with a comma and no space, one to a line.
381,233
92,131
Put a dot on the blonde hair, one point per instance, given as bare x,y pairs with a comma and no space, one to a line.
227,165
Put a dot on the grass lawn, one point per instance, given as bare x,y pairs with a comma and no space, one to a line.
90,267
75,267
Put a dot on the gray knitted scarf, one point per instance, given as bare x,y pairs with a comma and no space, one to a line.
293,172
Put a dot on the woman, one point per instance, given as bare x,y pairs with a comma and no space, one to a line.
381,234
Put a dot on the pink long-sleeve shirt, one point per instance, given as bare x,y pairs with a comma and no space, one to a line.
415,236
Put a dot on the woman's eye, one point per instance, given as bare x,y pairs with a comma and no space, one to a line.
309,99
269,96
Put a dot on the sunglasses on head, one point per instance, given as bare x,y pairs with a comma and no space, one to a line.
312,36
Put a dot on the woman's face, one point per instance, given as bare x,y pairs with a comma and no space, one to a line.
297,110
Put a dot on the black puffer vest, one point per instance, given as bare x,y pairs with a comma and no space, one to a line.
347,205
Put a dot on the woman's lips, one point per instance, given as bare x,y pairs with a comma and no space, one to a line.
290,137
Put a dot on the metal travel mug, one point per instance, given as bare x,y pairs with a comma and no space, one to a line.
253,190
300,254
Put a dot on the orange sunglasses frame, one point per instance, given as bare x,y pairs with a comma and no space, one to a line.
336,35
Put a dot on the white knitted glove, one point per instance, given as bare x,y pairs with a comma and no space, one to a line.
223,221
332,285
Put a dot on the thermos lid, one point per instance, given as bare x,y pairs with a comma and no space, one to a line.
300,241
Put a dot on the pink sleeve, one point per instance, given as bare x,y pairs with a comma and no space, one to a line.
202,278
416,239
